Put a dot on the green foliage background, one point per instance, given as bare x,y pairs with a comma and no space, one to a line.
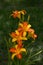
7,24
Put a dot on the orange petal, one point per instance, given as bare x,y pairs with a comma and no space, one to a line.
19,56
12,50
13,34
30,30
15,14
25,23
20,29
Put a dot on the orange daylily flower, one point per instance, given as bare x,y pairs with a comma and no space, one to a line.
17,51
17,36
24,27
18,13
31,33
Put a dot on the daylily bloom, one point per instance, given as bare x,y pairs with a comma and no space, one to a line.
31,33
18,13
17,36
24,27
17,51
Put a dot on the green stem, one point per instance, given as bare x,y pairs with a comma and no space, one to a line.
28,18
9,63
22,18
14,62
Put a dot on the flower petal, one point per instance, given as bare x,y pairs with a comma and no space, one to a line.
23,12
19,16
20,29
22,50
20,24
17,32
19,56
14,39
24,38
12,50
28,26
13,34
24,34
30,30
13,55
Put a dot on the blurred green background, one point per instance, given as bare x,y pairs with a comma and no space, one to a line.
7,24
